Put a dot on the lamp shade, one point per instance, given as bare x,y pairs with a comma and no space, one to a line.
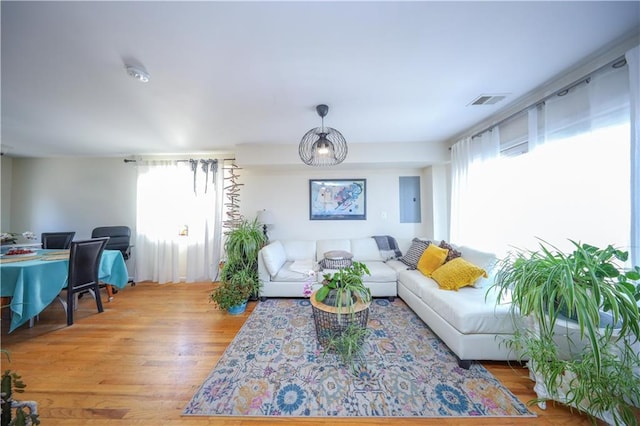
322,146
265,217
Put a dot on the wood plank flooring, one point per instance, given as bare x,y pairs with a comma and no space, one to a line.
141,361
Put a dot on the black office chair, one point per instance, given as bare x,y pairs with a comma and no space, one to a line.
119,239
57,240
84,266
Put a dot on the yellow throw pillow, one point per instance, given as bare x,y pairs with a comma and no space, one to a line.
457,273
432,258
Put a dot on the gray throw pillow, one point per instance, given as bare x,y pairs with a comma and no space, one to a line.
412,256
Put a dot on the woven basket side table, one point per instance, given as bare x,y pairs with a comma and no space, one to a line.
331,321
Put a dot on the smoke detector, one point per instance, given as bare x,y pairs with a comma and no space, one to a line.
138,73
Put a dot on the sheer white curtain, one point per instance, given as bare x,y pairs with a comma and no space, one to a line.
179,222
573,182
633,59
472,187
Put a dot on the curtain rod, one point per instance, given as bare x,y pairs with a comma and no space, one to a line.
616,63
126,160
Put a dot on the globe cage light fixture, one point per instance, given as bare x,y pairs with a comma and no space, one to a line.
322,146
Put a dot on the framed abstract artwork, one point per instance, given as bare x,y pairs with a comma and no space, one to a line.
337,199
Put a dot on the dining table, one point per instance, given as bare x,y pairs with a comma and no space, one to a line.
33,281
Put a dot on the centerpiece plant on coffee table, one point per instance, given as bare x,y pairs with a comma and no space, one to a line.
344,286
582,326
342,290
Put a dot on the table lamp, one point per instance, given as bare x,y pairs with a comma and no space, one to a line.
265,217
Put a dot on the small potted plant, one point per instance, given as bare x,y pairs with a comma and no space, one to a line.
12,383
232,294
582,323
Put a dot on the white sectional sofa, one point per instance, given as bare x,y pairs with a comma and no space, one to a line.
283,265
469,320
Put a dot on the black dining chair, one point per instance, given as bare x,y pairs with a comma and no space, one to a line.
57,240
84,266
120,239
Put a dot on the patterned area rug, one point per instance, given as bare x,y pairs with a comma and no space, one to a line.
275,367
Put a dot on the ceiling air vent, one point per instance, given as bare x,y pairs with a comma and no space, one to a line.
488,99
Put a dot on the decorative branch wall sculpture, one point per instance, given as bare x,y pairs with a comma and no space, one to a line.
232,192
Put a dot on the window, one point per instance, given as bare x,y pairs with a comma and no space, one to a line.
563,173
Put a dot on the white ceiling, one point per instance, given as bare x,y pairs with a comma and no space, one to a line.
229,73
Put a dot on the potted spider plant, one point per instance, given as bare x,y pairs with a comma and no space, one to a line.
582,325
241,247
341,312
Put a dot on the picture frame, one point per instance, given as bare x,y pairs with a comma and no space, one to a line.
337,199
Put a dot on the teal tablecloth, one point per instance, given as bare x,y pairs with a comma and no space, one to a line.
34,284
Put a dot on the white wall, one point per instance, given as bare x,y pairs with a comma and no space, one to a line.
6,166
78,194
70,194
286,194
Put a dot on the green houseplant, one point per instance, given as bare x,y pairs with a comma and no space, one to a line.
239,278
241,247
340,328
582,326
12,383
231,294
345,285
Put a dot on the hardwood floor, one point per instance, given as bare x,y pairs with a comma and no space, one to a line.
140,362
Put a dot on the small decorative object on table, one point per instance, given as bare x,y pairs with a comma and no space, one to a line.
8,238
12,238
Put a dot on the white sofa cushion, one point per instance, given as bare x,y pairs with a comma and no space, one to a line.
306,266
299,249
365,249
286,274
274,257
380,273
396,265
465,309
323,246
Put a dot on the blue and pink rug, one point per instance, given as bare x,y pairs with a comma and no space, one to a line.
275,367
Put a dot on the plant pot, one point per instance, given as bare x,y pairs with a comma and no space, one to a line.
332,299
237,309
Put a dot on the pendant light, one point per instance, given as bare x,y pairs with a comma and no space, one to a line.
322,146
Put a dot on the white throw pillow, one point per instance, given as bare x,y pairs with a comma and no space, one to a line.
274,257
485,260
